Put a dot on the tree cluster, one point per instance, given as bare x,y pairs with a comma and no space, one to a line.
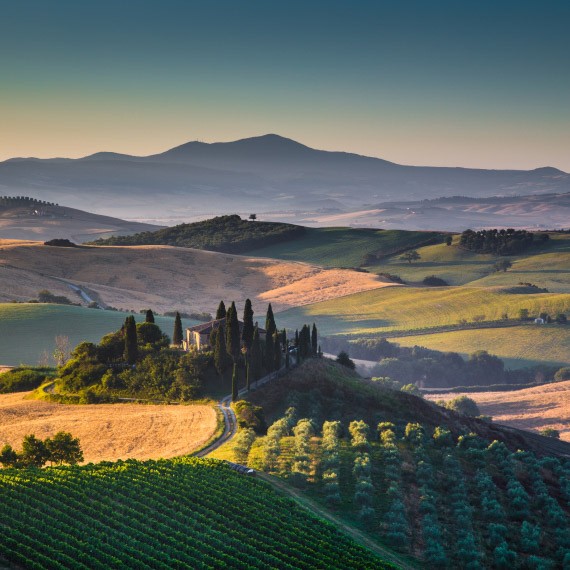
59,449
500,242
227,234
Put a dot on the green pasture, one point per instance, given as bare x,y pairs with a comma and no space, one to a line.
413,308
546,266
29,330
343,247
518,347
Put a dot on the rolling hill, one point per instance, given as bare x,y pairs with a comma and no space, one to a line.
262,174
27,219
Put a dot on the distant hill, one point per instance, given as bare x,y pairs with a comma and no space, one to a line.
27,218
262,174
227,234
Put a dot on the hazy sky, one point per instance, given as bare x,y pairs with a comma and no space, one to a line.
482,83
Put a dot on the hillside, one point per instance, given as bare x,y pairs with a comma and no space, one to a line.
28,219
532,409
168,278
185,513
405,471
227,234
109,432
261,174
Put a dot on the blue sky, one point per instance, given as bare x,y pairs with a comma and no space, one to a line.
469,83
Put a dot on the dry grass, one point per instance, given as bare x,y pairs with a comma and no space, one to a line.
110,431
166,278
533,409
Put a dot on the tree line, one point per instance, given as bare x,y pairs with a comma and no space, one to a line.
500,242
60,449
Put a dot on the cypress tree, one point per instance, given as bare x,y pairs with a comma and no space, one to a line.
177,335
235,384
221,312
269,353
270,325
247,334
149,318
276,351
255,355
131,349
297,338
220,357
247,377
232,333
287,360
314,343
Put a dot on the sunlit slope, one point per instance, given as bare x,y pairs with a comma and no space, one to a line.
344,247
518,347
29,330
414,308
546,265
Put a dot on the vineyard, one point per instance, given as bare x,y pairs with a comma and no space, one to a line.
181,513
449,502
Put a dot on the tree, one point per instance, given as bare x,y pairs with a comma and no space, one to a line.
448,240
253,217
463,405
248,377
345,360
62,350
34,452
177,335
221,312
131,349
502,265
410,256
276,351
232,333
550,432
270,325
63,448
220,354
149,317
8,457
247,333
255,355
314,341
235,384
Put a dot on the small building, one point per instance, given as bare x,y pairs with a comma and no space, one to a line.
539,321
198,336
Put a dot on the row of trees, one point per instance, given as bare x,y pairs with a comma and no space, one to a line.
59,449
500,242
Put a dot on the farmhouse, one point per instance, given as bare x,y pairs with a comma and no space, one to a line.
198,336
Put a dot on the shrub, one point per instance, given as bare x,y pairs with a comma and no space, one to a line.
433,281
463,405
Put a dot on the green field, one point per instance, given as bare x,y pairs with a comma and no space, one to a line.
28,330
413,308
181,513
518,347
546,266
343,247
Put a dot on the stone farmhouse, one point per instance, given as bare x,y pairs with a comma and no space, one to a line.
198,336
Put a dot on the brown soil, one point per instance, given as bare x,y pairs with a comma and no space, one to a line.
108,432
546,406
169,278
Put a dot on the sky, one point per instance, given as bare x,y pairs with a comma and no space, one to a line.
475,83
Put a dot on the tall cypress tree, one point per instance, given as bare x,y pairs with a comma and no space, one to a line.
270,325
149,317
255,355
276,351
220,356
177,335
232,333
247,334
235,384
131,349
314,343
221,312
248,376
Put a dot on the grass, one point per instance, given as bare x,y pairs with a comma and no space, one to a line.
545,265
518,347
343,247
29,330
391,309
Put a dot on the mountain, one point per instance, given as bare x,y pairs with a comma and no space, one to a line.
269,173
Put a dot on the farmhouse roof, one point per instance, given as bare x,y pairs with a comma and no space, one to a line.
207,328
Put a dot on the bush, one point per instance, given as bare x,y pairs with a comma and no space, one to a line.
433,281
345,360
463,405
550,432
250,416
562,374
22,379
